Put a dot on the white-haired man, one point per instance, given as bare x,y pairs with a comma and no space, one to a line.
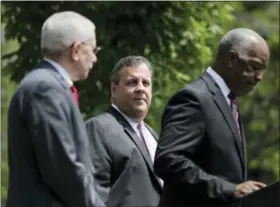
49,159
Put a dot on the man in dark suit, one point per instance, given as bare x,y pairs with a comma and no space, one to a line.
123,146
49,159
201,154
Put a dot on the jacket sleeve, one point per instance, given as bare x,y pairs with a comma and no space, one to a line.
101,157
62,165
183,128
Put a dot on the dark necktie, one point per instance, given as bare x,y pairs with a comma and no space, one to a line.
234,109
139,127
75,94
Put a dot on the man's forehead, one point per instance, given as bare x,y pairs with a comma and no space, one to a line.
141,68
259,49
138,76
133,73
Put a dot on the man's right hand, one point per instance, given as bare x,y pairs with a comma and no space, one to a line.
247,187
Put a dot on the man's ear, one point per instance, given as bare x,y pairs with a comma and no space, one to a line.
232,57
113,87
73,52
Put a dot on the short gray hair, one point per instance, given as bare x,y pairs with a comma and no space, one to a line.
62,29
129,61
238,39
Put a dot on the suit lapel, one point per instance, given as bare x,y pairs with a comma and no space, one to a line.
154,134
137,141
143,151
48,66
223,106
140,146
133,136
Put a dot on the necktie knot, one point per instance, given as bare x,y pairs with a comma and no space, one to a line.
75,94
74,89
232,96
139,127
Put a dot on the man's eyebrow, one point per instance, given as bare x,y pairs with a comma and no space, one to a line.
136,77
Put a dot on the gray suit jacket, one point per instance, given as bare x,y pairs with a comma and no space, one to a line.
124,169
200,155
49,159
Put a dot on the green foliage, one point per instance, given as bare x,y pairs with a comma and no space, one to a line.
7,89
180,40
176,36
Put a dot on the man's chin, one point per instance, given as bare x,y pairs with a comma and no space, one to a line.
142,111
84,76
141,107
246,92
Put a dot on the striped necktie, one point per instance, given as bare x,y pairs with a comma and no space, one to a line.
234,110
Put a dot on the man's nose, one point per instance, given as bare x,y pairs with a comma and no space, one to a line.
259,76
94,58
140,86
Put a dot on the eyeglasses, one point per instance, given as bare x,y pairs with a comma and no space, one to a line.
95,50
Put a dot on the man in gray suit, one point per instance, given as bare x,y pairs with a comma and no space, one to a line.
123,146
49,159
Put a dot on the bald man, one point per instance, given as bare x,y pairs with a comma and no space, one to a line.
201,153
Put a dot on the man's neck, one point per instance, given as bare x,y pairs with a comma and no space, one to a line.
136,120
220,72
61,69
65,65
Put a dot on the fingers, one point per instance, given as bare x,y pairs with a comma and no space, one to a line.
248,187
253,186
259,184
245,190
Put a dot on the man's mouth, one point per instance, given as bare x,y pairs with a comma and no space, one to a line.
251,84
139,99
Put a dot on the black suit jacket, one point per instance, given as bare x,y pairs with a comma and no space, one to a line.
49,159
200,154
124,169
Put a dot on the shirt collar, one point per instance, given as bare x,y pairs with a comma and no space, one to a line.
61,71
220,81
133,123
